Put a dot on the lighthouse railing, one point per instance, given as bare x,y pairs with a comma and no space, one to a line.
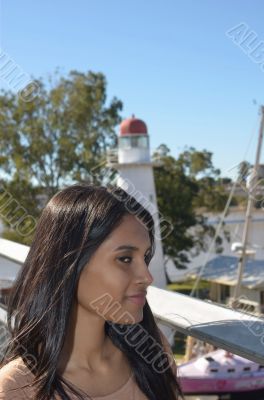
111,156
235,331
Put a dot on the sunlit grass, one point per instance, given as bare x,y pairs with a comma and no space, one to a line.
187,285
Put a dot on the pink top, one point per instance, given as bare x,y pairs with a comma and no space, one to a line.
15,375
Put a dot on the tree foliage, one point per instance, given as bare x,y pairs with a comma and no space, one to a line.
61,137
183,186
56,138
244,171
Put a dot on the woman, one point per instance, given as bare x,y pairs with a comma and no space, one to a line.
76,331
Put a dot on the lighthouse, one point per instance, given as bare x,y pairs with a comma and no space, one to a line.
135,175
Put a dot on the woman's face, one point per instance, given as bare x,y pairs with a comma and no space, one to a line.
113,274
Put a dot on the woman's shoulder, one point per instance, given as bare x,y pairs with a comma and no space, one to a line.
14,376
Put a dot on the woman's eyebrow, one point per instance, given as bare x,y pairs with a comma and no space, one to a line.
129,247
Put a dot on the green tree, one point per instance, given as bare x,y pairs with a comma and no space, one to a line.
178,191
198,165
244,171
57,138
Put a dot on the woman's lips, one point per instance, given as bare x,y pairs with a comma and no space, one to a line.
140,299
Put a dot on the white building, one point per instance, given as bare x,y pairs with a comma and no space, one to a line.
233,225
221,270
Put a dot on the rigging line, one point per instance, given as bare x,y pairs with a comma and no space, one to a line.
254,131
236,236
217,232
219,226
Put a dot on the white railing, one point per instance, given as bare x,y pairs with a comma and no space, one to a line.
112,157
234,331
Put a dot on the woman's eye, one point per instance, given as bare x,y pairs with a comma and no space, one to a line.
125,259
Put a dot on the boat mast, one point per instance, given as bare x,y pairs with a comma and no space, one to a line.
252,188
253,181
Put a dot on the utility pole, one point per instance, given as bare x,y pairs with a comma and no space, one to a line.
253,182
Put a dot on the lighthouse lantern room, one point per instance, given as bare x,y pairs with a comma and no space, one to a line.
133,142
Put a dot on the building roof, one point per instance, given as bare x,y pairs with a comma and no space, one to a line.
224,270
133,126
8,272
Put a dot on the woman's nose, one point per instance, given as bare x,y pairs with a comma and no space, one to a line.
144,276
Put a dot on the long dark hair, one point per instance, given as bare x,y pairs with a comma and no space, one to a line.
71,227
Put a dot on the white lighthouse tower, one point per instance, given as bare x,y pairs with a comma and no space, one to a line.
136,177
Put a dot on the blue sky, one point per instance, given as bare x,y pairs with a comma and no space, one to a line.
169,61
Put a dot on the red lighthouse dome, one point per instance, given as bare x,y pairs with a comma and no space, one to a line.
133,126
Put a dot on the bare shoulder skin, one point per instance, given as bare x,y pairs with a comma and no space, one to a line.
14,380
